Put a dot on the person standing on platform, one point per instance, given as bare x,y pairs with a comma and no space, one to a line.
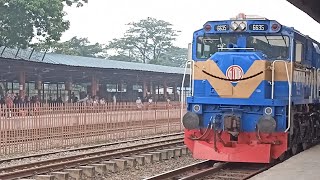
9,104
168,102
102,101
114,98
150,100
139,103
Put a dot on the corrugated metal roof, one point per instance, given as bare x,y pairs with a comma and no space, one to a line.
68,60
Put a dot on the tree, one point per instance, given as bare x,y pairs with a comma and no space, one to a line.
175,56
145,40
79,3
121,57
23,20
75,46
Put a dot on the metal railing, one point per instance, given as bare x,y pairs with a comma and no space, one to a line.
191,80
39,127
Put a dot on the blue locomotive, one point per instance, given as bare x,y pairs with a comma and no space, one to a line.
255,91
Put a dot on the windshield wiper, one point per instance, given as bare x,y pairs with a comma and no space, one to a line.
267,40
284,40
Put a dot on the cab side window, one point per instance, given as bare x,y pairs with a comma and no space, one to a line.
299,51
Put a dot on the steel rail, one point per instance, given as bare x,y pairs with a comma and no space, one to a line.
207,169
177,172
87,147
257,172
55,166
204,172
31,169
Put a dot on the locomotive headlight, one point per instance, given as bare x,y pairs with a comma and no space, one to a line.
242,26
234,26
266,124
191,120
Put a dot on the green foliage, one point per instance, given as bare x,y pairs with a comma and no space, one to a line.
23,20
79,3
77,47
146,41
175,56
121,57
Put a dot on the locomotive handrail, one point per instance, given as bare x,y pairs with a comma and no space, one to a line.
272,77
184,77
317,87
182,85
312,74
289,85
192,77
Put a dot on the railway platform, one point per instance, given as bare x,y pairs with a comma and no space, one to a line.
304,165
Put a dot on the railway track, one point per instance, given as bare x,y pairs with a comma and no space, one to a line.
50,165
89,147
215,171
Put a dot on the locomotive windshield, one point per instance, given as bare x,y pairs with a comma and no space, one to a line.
274,47
208,45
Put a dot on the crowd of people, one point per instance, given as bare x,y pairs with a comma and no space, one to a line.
11,100
15,100
149,101
94,100
16,105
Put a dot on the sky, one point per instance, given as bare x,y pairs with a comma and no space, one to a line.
102,20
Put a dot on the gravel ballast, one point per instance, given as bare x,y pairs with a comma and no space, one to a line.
148,170
70,153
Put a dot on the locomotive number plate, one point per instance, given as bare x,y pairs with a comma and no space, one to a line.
221,27
258,27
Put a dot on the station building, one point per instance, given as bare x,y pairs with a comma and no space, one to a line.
30,73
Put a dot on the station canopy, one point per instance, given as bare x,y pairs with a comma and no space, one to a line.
54,68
